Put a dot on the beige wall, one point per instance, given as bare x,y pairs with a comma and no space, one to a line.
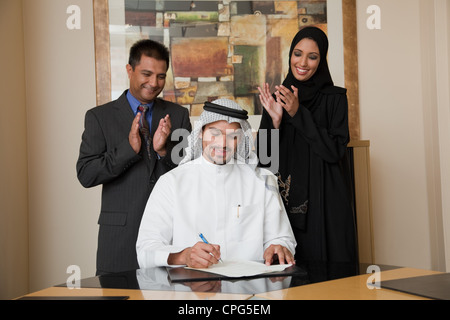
442,53
60,87
392,119
399,115
13,155
49,78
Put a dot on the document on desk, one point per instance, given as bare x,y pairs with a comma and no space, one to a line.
238,269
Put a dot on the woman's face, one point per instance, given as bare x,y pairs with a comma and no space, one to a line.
305,59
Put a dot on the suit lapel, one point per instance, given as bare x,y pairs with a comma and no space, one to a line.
124,111
126,117
157,114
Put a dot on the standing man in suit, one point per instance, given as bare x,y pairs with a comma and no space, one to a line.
116,153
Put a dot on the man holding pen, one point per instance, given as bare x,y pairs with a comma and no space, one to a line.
217,191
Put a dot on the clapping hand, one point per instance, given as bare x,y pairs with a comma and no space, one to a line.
273,108
161,135
284,99
288,99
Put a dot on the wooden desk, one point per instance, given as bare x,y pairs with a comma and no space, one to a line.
352,288
134,294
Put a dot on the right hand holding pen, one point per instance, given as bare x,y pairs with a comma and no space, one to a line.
202,255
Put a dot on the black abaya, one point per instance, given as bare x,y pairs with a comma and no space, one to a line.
313,173
326,231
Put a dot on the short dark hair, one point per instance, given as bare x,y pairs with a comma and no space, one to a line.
149,48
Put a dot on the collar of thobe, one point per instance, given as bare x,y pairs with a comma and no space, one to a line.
215,168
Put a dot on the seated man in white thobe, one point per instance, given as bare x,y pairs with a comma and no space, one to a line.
217,191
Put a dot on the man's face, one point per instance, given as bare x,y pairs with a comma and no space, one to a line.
220,140
148,78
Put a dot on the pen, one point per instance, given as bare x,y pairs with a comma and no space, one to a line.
206,241
238,210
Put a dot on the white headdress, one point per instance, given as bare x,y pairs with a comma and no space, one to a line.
230,111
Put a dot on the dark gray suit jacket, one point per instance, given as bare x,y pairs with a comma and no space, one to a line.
107,158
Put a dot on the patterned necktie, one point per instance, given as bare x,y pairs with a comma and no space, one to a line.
144,127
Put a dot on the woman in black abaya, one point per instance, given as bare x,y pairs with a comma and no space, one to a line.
314,181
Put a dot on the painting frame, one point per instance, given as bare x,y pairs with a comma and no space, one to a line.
350,56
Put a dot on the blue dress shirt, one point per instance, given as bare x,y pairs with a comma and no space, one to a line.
134,103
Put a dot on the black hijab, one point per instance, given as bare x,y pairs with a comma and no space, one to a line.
309,89
294,171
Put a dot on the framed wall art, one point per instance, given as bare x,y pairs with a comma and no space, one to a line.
219,49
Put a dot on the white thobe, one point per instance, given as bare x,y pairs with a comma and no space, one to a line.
229,204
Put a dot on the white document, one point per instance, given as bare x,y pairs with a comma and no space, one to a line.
237,269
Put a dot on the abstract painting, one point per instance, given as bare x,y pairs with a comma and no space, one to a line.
219,49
